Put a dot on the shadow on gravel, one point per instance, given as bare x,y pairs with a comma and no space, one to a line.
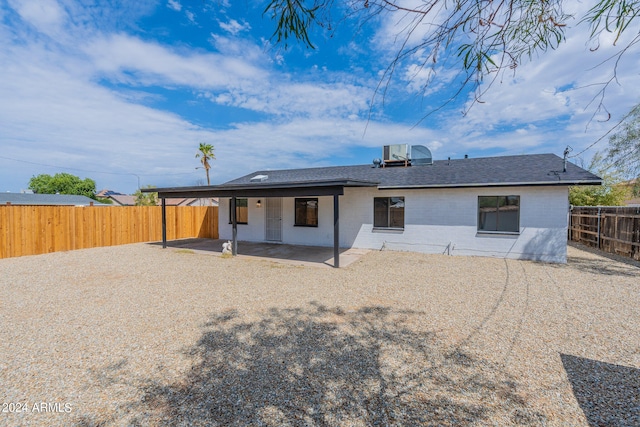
601,266
327,367
265,250
613,257
609,395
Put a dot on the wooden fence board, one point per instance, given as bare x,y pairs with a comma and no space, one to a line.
616,229
32,230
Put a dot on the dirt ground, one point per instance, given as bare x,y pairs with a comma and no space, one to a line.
138,335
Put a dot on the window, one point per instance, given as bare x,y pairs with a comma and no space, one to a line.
242,211
388,212
306,212
499,214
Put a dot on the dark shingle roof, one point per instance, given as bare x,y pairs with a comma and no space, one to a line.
46,199
532,169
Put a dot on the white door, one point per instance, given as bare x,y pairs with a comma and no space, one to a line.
273,221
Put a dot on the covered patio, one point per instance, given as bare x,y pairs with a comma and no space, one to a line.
317,256
314,188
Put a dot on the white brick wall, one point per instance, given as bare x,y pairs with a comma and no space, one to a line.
436,221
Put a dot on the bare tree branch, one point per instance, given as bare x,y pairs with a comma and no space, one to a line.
481,38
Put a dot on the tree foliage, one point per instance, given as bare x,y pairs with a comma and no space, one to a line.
610,193
146,199
624,145
613,16
293,19
480,37
205,153
595,195
63,183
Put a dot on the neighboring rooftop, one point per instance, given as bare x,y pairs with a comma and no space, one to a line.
127,200
634,201
122,199
106,193
46,199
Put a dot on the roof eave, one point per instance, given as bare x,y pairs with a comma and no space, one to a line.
492,184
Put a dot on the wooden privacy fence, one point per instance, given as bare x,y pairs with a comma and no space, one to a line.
611,229
32,230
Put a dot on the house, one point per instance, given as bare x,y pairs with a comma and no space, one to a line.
510,206
46,199
190,201
122,199
104,193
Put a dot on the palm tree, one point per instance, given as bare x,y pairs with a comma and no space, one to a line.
205,153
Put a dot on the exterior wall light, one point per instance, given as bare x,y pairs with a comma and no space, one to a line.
259,204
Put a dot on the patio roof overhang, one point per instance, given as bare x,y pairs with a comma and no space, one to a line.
276,189
333,188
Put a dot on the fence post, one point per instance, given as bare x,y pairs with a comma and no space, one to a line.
598,235
616,234
570,234
635,236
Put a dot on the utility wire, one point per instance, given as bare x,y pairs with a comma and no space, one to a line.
606,134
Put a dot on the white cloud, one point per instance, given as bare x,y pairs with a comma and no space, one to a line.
74,123
57,113
304,142
562,84
234,27
134,61
86,102
298,99
229,78
175,5
240,48
558,90
45,15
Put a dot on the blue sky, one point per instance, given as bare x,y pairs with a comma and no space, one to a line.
123,92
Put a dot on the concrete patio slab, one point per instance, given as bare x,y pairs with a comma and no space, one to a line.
318,256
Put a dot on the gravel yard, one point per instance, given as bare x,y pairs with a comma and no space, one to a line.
138,335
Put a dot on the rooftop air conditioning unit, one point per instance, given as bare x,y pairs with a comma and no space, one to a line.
397,153
421,155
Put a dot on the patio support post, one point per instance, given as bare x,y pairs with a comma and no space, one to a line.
234,227
164,223
336,232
